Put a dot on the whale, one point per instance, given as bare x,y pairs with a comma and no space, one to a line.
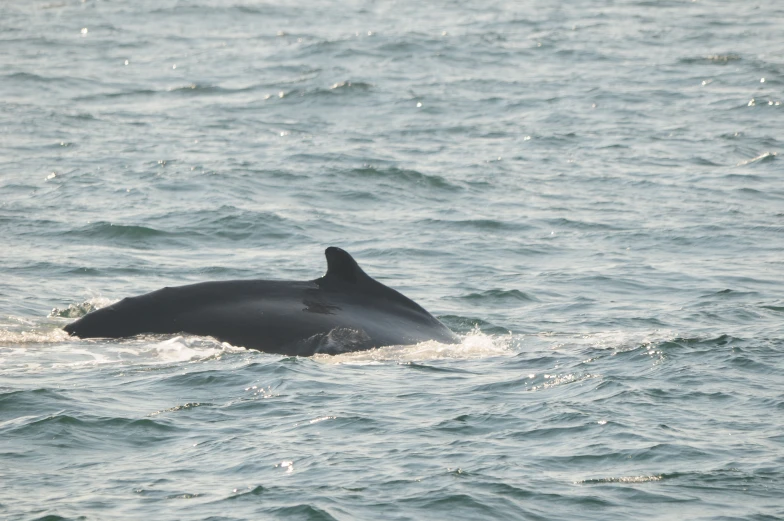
343,311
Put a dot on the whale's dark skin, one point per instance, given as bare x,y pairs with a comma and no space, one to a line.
345,310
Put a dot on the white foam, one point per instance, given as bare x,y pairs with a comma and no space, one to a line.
190,348
34,352
35,336
473,345
623,479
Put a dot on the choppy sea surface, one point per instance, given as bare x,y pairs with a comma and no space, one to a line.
590,193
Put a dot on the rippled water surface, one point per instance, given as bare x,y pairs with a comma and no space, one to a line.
590,193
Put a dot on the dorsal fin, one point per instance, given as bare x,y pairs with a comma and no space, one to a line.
342,269
342,266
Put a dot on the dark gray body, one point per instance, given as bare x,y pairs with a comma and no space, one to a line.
345,310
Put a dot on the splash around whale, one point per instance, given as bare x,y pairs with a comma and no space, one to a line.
345,310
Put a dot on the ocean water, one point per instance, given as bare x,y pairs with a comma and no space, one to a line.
590,193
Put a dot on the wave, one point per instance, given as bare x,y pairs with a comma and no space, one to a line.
109,230
403,176
499,295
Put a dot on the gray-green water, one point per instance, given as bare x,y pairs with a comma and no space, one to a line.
590,193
